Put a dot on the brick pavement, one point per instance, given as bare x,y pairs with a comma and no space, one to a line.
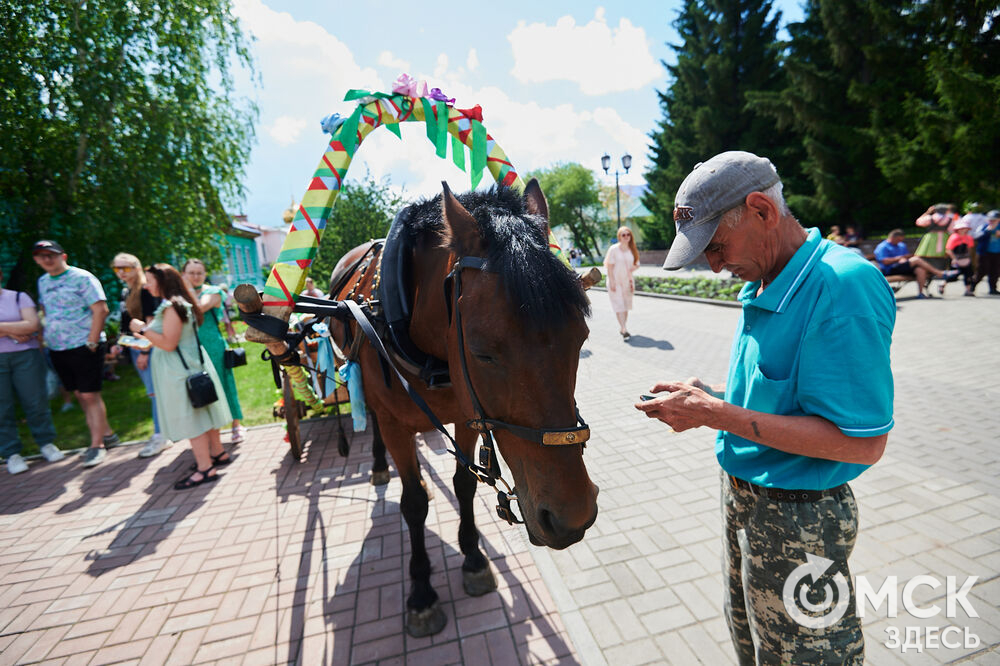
275,563
304,563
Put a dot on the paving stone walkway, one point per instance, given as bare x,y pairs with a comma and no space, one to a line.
304,563
645,584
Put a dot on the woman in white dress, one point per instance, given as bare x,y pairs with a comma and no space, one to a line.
620,263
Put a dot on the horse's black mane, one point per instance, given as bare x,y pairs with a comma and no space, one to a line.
547,291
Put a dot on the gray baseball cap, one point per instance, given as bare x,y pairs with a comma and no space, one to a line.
712,188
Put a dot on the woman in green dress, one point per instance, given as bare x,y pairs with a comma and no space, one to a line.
937,220
210,302
172,332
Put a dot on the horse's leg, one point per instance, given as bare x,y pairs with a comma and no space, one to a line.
380,467
423,617
477,577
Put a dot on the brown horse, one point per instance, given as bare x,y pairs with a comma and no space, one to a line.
511,335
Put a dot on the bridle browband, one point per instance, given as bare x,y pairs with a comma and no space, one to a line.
488,462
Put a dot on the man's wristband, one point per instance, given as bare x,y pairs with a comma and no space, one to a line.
92,346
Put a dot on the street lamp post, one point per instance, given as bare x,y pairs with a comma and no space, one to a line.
626,164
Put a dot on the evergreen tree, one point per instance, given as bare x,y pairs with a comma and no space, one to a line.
937,128
728,49
826,56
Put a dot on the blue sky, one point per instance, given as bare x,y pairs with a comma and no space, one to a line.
557,81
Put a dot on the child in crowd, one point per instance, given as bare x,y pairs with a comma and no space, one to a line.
959,247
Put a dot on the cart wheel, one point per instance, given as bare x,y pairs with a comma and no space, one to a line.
291,417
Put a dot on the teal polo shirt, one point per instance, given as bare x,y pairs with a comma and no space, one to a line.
815,341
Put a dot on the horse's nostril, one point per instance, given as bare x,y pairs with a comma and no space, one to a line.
545,520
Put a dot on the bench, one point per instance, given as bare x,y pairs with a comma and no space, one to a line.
897,282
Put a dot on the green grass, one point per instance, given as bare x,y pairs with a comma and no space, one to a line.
131,416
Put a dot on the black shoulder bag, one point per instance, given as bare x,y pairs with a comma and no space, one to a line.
200,387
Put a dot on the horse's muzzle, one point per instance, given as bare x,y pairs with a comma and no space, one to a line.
553,532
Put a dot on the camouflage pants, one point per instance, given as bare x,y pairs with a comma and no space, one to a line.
767,542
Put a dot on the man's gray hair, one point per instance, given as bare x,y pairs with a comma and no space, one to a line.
731,218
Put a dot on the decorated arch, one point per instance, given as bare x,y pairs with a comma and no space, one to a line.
410,101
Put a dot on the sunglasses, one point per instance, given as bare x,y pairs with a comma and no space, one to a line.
123,269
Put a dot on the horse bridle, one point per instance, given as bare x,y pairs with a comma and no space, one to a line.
488,471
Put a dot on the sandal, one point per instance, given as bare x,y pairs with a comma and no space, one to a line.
217,461
189,482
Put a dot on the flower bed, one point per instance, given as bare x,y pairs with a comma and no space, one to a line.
711,288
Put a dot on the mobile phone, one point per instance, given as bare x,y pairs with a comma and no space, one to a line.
137,343
646,396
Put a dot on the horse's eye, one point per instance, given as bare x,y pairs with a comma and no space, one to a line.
484,358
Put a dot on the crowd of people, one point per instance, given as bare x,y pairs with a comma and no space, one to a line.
953,248
172,327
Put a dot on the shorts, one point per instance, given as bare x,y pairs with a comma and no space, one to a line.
899,269
79,369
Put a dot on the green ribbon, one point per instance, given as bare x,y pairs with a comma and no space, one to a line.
349,132
442,130
478,150
437,126
458,152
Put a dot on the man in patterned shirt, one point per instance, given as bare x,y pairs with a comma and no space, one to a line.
75,309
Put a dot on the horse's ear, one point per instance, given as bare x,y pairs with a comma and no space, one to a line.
461,229
535,200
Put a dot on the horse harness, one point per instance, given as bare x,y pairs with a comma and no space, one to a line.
363,311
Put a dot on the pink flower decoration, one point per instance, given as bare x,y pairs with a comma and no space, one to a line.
407,85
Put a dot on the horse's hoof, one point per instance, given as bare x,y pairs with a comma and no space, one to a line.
425,622
381,477
478,583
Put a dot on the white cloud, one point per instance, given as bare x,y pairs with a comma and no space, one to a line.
398,65
300,59
441,68
286,129
472,61
596,57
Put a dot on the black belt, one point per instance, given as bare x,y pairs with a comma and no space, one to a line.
781,495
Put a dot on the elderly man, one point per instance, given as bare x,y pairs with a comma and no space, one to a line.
75,309
796,420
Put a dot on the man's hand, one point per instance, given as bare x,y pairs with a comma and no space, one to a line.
142,361
682,405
